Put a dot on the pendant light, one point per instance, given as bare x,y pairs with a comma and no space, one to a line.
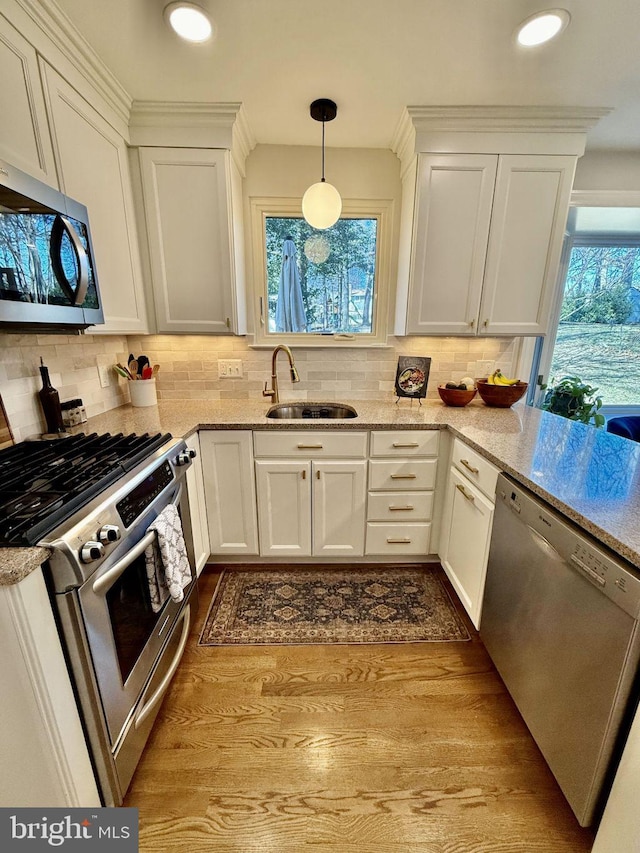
321,204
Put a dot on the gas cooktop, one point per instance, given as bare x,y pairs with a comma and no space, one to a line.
44,482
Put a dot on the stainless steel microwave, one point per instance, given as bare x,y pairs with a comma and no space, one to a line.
47,273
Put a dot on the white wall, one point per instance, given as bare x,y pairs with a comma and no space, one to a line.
608,170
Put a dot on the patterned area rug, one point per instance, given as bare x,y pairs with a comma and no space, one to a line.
346,605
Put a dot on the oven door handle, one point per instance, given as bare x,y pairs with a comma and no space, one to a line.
105,581
161,689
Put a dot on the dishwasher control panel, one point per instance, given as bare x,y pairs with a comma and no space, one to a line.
563,539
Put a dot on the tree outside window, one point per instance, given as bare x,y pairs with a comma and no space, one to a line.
337,272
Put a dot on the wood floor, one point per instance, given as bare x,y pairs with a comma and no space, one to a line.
412,748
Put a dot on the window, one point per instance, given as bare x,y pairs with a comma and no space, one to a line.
321,287
598,330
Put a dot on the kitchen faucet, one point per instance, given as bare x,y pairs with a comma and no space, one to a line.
273,391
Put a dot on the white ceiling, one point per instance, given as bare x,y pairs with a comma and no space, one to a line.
373,57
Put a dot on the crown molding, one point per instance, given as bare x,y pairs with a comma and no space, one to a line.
506,119
403,141
67,39
194,125
493,129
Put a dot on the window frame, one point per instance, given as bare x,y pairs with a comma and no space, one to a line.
379,209
542,348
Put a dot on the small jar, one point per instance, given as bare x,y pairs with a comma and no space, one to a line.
73,412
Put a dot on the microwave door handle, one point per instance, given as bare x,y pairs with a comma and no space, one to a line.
159,692
62,225
105,581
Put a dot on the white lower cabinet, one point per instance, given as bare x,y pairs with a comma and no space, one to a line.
402,479
230,493
308,504
311,508
467,521
197,506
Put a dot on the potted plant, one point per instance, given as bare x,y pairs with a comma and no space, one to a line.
572,398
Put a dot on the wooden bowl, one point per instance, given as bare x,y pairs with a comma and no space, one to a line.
455,396
501,396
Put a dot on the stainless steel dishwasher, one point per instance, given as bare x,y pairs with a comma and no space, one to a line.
560,622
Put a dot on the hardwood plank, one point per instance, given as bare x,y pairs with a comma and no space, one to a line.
345,749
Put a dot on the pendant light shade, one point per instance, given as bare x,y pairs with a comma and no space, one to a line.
321,204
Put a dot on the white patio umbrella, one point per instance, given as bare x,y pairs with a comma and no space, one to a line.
290,313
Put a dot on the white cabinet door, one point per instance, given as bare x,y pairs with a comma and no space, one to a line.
465,546
24,131
284,508
487,239
339,508
197,506
230,494
452,218
94,170
527,227
187,195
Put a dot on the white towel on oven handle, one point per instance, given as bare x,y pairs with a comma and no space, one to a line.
167,563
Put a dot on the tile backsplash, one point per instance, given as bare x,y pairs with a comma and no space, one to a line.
189,369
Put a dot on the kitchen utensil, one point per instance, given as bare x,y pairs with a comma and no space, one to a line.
126,369
143,361
156,368
133,369
131,358
120,370
147,372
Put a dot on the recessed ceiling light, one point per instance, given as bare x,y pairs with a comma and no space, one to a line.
189,21
542,27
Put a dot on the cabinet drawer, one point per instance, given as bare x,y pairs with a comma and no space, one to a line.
475,468
397,539
400,506
402,474
410,442
310,444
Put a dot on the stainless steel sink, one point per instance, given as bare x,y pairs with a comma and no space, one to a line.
311,411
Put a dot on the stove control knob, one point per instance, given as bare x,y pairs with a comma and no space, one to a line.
109,533
185,457
91,551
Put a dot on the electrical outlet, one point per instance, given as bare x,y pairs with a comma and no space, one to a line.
104,372
230,368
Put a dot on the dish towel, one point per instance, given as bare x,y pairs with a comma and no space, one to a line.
168,569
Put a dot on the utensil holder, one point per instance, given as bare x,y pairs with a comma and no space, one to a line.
143,392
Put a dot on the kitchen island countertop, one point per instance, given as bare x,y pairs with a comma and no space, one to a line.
589,475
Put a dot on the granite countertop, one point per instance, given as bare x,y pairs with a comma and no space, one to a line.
589,475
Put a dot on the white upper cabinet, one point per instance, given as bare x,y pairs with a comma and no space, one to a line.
94,170
190,201
24,132
486,243
485,200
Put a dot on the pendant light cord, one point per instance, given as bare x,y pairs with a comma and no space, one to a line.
322,181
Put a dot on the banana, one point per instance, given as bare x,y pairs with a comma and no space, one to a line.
497,378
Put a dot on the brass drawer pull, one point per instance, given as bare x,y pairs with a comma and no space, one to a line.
398,541
400,508
403,476
407,444
469,467
304,474
464,492
309,447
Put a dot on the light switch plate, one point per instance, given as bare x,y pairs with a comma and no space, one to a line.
104,372
229,368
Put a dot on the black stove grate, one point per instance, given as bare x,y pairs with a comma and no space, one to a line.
42,483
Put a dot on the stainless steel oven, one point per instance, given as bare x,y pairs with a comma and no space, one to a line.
121,654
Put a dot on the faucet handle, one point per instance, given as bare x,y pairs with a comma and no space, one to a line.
268,393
